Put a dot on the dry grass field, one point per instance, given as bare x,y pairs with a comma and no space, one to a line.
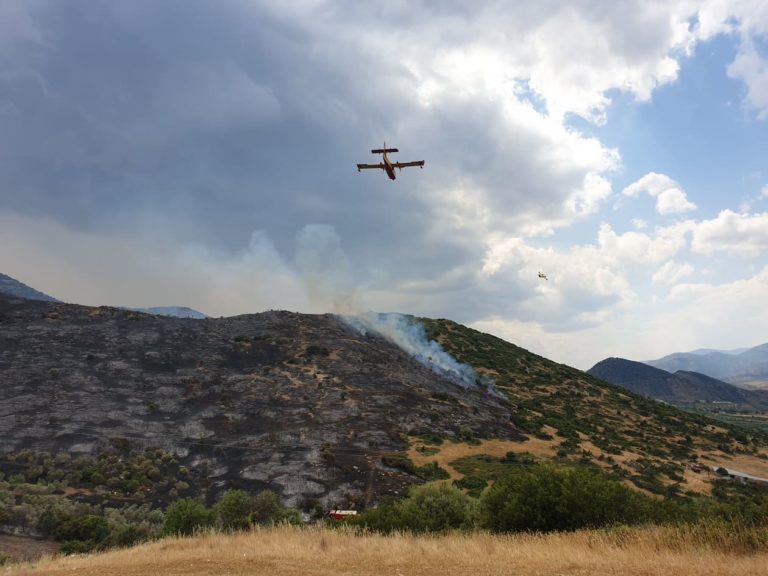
290,551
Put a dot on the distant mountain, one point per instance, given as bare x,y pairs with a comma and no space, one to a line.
13,287
174,311
681,388
702,351
744,368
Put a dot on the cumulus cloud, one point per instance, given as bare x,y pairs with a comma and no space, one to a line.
672,272
670,198
651,329
752,69
748,20
742,234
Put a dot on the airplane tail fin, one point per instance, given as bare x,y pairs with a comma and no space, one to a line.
382,150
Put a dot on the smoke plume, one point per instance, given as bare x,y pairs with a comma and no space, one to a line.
409,335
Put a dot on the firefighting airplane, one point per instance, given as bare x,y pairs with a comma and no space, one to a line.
387,165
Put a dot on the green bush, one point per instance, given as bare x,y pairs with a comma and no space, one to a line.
126,536
432,471
234,510
474,485
81,533
185,516
545,498
267,509
399,461
428,508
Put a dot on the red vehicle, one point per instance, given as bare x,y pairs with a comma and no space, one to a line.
342,514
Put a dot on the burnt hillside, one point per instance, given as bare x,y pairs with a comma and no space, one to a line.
301,404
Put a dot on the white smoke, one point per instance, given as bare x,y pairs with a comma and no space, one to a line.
409,335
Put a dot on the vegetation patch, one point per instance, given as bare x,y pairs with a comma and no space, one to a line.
551,401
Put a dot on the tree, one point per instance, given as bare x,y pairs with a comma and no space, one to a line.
185,516
544,498
428,508
235,509
267,508
437,508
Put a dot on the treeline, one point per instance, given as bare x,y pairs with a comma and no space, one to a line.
543,498
83,528
536,498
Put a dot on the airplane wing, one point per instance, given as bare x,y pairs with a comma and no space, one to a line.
401,165
369,166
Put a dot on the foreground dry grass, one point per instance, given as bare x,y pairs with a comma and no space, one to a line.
296,551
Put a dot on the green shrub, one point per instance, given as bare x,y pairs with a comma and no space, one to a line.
267,509
126,536
185,516
235,509
545,498
399,461
431,471
474,485
428,508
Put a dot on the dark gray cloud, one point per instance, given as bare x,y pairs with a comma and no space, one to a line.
228,133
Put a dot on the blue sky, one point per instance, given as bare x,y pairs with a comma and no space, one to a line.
202,154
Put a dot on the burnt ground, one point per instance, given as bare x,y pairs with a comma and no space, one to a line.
22,548
301,404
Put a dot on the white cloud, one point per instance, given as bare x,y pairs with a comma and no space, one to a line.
736,315
764,192
742,234
639,223
752,69
639,248
670,198
671,272
748,19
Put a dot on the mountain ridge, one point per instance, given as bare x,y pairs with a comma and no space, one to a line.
680,388
743,368
14,287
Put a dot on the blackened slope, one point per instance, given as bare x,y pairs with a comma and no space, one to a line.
13,287
298,403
